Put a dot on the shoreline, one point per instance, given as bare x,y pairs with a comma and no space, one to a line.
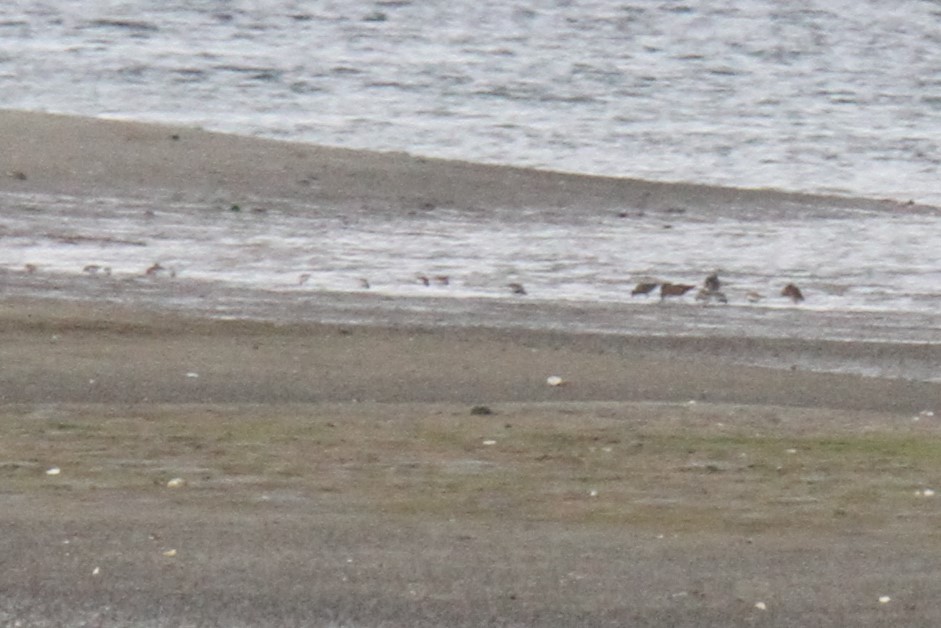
675,331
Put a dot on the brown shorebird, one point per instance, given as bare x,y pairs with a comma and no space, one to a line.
153,270
674,290
516,288
423,280
442,280
644,288
792,292
303,278
364,283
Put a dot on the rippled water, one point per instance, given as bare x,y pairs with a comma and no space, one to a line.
841,96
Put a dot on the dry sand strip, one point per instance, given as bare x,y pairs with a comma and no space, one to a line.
94,157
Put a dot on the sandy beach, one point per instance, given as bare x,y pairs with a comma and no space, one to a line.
164,469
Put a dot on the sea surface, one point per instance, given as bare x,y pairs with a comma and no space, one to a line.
836,97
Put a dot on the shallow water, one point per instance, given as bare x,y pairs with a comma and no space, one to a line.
833,96
866,275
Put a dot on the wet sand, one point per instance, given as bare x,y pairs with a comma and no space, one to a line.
421,475
84,156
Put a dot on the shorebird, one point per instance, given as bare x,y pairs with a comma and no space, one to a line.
303,278
516,288
644,288
94,269
674,290
153,270
712,283
753,297
30,268
364,283
441,280
793,293
711,290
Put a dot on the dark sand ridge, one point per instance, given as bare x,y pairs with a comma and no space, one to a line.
52,351
85,156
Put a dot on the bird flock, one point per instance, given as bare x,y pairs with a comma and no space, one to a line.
711,290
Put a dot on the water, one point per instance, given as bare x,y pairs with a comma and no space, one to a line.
837,96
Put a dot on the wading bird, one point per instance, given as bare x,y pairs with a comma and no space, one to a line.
674,290
792,292
644,288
